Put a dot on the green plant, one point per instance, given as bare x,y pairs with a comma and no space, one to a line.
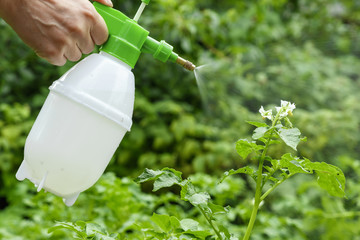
269,174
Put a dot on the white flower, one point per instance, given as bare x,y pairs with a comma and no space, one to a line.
285,109
265,114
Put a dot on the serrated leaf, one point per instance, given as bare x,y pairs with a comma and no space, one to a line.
225,231
188,193
199,198
148,175
155,234
275,163
187,189
175,223
94,228
199,234
294,164
217,209
166,179
290,136
189,224
259,132
257,124
272,141
163,221
244,147
275,180
175,172
80,231
247,170
330,178
81,224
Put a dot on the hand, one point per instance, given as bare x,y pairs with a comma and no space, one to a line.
57,30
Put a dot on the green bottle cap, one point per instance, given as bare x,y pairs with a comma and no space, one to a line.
126,37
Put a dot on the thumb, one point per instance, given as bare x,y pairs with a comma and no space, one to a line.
105,2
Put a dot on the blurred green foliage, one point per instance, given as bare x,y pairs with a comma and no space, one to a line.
258,52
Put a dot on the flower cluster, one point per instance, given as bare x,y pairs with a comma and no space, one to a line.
283,111
265,114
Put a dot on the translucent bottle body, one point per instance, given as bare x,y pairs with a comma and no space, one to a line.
79,127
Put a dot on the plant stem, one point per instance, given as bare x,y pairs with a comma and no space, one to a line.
273,187
253,215
210,222
257,195
259,182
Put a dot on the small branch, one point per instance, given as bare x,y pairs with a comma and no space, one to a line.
273,187
210,222
342,215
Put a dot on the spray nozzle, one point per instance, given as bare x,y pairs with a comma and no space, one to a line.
163,52
127,39
186,64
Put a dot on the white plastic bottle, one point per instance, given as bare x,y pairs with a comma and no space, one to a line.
79,127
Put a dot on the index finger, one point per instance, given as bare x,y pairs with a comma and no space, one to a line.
105,2
98,31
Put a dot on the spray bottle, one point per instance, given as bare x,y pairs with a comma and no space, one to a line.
89,110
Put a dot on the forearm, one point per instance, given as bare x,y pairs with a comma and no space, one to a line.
6,7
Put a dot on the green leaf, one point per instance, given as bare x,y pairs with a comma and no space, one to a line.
294,164
176,173
189,224
303,139
217,209
167,179
275,163
175,223
155,234
199,234
188,193
330,178
148,175
93,228
247,170
275,180
257,124
290,136
187,189
80,231
199,198
259,132
244,147
163,221
224,231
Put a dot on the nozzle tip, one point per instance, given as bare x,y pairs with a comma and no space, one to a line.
186,64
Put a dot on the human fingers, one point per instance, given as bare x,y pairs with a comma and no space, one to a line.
99,31
86,45
72,52
53,56
105,2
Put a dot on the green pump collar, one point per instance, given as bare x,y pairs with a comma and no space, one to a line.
126,37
